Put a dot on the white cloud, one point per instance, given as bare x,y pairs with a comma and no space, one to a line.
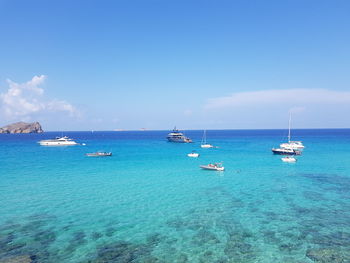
289,97
21,100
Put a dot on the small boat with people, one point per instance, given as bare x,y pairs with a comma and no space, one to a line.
213,167
99,154
193,154
289,159
58,141
285,151
177,136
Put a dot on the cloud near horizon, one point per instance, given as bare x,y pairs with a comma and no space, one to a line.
21,100
296,99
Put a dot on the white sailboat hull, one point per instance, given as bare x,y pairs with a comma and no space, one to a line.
207,146
44,143
292,145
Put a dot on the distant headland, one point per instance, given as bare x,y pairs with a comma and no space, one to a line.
22,127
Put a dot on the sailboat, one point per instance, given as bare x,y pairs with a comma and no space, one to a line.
295,145
204,143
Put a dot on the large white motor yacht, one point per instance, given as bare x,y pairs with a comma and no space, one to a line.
58,141
176,136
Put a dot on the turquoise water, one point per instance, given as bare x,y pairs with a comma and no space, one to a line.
149,202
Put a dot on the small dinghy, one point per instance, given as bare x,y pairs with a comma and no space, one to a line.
99,154
193,154
289,159
213,167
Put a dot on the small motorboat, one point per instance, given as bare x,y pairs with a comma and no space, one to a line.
193,154
286,151
213,167
99,154
289,159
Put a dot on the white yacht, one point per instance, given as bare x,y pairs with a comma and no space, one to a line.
204,143
58,141
177,136
295,145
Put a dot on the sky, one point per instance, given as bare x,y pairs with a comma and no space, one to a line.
128,64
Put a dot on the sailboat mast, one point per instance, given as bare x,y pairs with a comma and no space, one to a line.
290,118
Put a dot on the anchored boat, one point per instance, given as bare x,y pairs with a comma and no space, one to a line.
193,154
292,144
177,136
289,159
58,141
286,151
213,167
204,141
99,154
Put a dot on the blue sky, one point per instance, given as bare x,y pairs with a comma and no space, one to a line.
103,65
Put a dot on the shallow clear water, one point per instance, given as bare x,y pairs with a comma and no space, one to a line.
149,202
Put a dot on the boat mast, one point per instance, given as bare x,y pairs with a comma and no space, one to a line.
290,118
204,139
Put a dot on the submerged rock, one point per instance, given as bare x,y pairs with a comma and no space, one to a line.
238,249
17,259
123,252
78,239
328,255
45,237
204,236
96,235
110,231
22,127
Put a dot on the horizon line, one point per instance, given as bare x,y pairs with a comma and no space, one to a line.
140,130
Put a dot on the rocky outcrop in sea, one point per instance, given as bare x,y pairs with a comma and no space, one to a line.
22,127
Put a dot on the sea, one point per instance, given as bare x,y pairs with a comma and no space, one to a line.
150,202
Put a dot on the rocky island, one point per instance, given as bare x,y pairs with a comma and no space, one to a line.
22,127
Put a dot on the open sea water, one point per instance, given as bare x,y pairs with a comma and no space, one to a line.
149,202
